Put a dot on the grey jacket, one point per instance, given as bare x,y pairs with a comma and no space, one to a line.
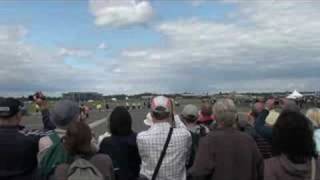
280,168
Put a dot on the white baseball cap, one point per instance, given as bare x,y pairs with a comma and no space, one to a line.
160,104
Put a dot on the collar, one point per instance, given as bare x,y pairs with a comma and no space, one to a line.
10,127
160,125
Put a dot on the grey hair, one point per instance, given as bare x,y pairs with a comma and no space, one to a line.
225,112
291,105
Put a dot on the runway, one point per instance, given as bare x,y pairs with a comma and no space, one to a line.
98,121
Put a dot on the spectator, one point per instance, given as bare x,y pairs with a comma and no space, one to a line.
248,127
294,149
19,144
122,146
77,143
151,143
148,121
314,116
51,150
205,116
261,126
227,153
189,115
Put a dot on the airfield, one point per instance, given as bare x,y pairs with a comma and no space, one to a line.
98,120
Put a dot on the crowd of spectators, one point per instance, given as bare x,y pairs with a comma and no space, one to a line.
275,142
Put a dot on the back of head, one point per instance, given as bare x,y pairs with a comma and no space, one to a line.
120,122
9,107
78,139
190,113
225,112
293,137
160,108
314,116
290,105
206,109
64,113
256,109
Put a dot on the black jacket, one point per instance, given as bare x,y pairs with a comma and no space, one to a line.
124,153
19,149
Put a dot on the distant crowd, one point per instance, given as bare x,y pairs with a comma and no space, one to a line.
275,141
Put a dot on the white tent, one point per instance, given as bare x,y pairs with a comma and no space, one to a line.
295,95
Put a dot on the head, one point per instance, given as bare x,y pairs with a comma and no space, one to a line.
314,116
160,108
190,113
225,113
293,137
205,115
77,140
257,108
64,113
11,111
120,122
289,104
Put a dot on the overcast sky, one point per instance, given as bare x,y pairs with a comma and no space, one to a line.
127,46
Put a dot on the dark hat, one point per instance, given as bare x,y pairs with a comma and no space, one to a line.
10,107
64,113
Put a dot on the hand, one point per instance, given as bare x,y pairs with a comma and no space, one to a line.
40,101
269,104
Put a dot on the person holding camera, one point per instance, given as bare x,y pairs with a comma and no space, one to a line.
165,147
269,116
19,144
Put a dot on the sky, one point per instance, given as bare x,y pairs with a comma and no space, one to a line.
160,46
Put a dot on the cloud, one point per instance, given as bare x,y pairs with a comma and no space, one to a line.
266,46
27,68
102,46
74,52
119,13
263,46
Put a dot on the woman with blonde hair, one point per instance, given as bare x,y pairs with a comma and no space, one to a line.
314,116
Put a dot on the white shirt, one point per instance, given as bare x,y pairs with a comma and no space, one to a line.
150,144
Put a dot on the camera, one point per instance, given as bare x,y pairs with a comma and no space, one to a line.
37,95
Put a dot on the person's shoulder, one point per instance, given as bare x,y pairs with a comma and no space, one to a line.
182,131
101,157
143,134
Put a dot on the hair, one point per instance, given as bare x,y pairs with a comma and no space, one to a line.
293,137
77,140
225,112
120,122
314,116
256,109
290,105
160,115
206,109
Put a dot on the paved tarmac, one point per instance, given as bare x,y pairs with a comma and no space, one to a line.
98,120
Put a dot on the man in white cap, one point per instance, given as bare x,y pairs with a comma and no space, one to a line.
151,143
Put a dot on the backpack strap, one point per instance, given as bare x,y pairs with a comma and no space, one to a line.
163,153
313,169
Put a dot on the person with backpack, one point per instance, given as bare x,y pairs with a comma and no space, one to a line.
121,146
84,163
51,151
189,116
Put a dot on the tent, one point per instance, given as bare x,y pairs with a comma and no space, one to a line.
295,95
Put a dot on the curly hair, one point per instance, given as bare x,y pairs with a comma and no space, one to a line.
120,122
293,137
